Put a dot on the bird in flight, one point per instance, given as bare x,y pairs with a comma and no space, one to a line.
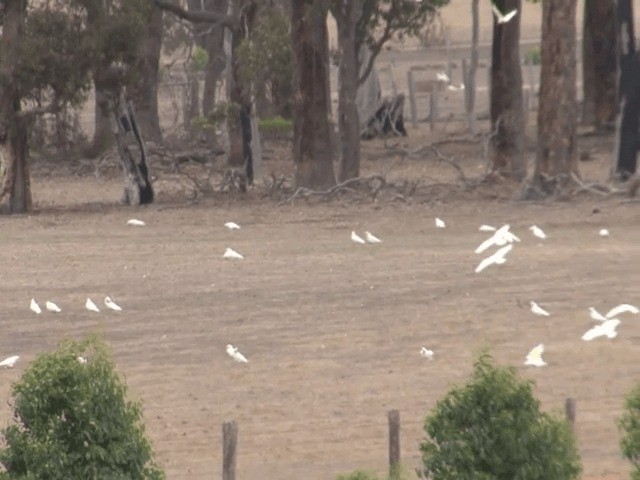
596,315
236,355
604,329
538,310
534,357
232,226
497,258
501,19
622,308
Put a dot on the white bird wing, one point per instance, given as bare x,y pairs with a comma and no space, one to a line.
497,257
538,232
487,228
89,305
440,223
371,238
9,361
506,18
596,315
34,306
489,242
609,327
135,222
356,238
112,305
232,226
497,12
622,308
52,307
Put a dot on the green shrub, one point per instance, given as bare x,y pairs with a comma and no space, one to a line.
275,127
199,59
630,426
492,429
533,56
358,475
73,421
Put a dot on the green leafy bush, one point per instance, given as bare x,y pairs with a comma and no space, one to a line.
358,475
73,421
275,127
492,429
199,59
533,56
630,426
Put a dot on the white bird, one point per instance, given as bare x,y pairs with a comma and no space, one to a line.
622,308
537,232
596,315
135,222
232,254
443,77
453,88
82,360
604,329
89,305
538,310
426,353
440,223
501,237
356,238
236,355
534,357
371,238
35,308
112,305
52,307
497,258
232,226
487,228
503,18
604,232
9,362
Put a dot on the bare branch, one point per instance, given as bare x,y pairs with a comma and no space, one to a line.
198,16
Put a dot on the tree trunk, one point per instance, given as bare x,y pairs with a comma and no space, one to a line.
312,149
102,135
556,155
138,189
347,15
470,78
628,94
216,62
15,188
369,92
144,89
507,110
599,65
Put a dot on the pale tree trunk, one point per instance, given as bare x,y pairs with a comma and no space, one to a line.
15,188
470,77
556,155
216,62
102,134
144,89
628,121
507,111
347,15
599,66
312,150
369,91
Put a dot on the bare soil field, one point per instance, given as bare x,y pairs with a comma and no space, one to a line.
332,329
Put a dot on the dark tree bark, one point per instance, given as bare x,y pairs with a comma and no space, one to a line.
628,120
556,155
599,63
347,15
507,111
15,188
312,150
469,78
144,89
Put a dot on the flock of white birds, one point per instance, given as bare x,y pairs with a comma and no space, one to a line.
501,237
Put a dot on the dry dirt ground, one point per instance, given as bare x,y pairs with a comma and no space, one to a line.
332,329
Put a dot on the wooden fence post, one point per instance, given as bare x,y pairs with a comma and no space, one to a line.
394,443
412,99
570,411
229,441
